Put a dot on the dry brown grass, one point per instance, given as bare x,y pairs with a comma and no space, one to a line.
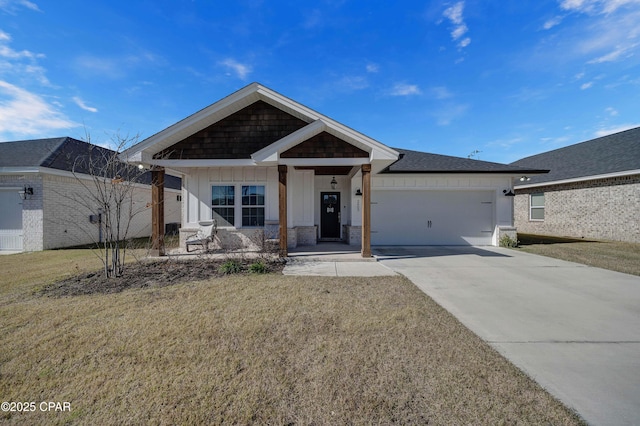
252,350
616,256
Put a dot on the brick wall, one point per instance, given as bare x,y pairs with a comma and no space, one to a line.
604,209
67,207
57,214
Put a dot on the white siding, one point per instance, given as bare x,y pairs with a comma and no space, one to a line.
300,199
197,190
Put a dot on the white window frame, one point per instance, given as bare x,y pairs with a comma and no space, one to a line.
238,205
537,208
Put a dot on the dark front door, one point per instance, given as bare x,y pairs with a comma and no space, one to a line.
330,215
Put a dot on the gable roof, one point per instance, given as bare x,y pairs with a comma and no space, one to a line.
618,153
422,162
143,152
30,153
60,154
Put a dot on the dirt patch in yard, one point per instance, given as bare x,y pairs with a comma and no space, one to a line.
154,275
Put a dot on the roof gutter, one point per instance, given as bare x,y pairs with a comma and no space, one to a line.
579,179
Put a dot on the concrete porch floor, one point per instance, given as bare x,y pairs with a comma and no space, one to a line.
329,252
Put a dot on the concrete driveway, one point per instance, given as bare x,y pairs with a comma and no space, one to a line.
572,328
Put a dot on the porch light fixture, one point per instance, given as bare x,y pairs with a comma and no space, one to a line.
334,183
525,179
26,193
358,192
508,194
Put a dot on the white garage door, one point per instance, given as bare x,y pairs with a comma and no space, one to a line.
10,220
400,217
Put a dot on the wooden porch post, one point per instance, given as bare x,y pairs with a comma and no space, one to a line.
157,210
282,212
366,210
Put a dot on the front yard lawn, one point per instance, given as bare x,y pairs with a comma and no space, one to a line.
613,255
249,349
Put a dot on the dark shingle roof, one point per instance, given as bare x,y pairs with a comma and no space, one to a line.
28,153
608,154
423,162
63,153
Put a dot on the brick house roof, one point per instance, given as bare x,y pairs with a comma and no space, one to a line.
616,153
61,154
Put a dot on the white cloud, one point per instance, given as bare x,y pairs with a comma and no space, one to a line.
586,85
240,70
9,53
350,83
82,105
11,6
595,6
616,54
611,111
116,66
21,65
23,113
454,14
601,31
30,5
441,92
402,89
556,20
464,42
616,129
373,68
448,113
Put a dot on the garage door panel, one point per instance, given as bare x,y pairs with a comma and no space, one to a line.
11,236
432,217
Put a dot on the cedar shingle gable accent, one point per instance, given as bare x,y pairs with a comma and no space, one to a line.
324,145
236,136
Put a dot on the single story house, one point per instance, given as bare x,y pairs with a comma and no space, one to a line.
591,191
42,188
257,161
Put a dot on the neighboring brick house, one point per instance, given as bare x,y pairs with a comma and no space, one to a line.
37,191
592,190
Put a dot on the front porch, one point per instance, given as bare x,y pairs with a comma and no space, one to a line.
319,252
257,161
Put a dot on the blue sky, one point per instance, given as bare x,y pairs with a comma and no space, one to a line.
495,79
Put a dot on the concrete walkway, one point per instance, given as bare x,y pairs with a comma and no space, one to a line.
330,268
574,329
333,260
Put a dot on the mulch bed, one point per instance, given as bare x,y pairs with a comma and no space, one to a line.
148,275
